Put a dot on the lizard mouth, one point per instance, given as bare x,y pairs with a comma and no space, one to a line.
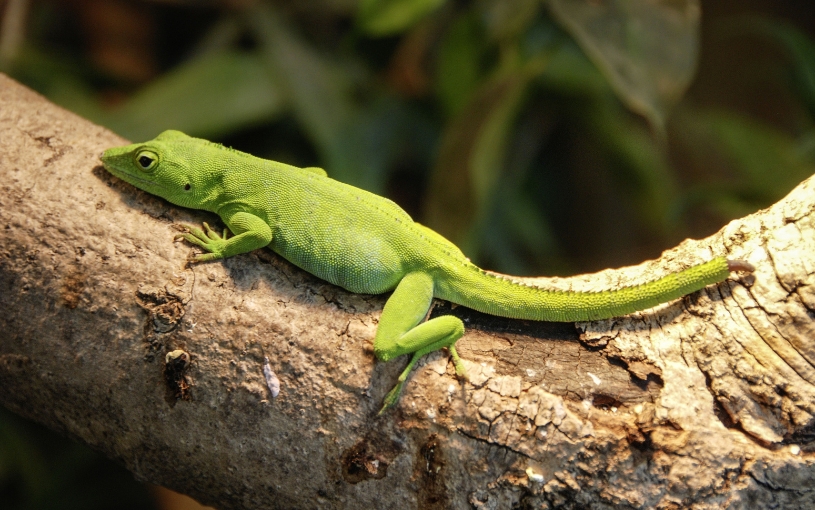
127,176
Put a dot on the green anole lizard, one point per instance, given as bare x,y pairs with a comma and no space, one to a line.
364,243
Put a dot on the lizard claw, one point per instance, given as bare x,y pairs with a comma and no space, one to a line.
211,234
461,371
392,397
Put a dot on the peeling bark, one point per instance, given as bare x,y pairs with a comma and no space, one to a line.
705,402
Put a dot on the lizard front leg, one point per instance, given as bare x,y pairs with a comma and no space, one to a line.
251,233
400,331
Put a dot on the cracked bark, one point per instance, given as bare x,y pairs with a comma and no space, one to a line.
703,402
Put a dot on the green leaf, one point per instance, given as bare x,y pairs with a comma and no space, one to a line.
471,158
317,89
572,74
756,164
517,227
356,136
647,49
507,19
207,96
58,80
386,17
459,63
640,161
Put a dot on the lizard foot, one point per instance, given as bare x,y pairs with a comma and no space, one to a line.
392,397
207,239
461,372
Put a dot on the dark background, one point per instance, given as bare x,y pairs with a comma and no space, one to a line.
493,122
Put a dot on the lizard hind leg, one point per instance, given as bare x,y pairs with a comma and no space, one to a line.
401,330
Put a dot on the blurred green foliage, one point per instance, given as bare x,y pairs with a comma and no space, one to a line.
488,120
41,471
386,17
543,137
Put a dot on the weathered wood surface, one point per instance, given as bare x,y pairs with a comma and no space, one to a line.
705,402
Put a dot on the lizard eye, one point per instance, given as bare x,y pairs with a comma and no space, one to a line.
146,160
187,187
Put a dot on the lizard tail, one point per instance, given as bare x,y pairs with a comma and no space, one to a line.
498,295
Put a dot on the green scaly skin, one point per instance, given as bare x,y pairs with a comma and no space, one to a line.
364,243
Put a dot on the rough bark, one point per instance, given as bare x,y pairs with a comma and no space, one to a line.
705,402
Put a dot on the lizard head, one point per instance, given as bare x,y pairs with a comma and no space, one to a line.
166,166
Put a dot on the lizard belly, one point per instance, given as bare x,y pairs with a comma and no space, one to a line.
356,261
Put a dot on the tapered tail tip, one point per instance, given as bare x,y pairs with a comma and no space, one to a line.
740,265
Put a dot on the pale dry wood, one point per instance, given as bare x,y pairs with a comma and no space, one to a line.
705,402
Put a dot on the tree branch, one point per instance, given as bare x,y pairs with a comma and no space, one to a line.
704,401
